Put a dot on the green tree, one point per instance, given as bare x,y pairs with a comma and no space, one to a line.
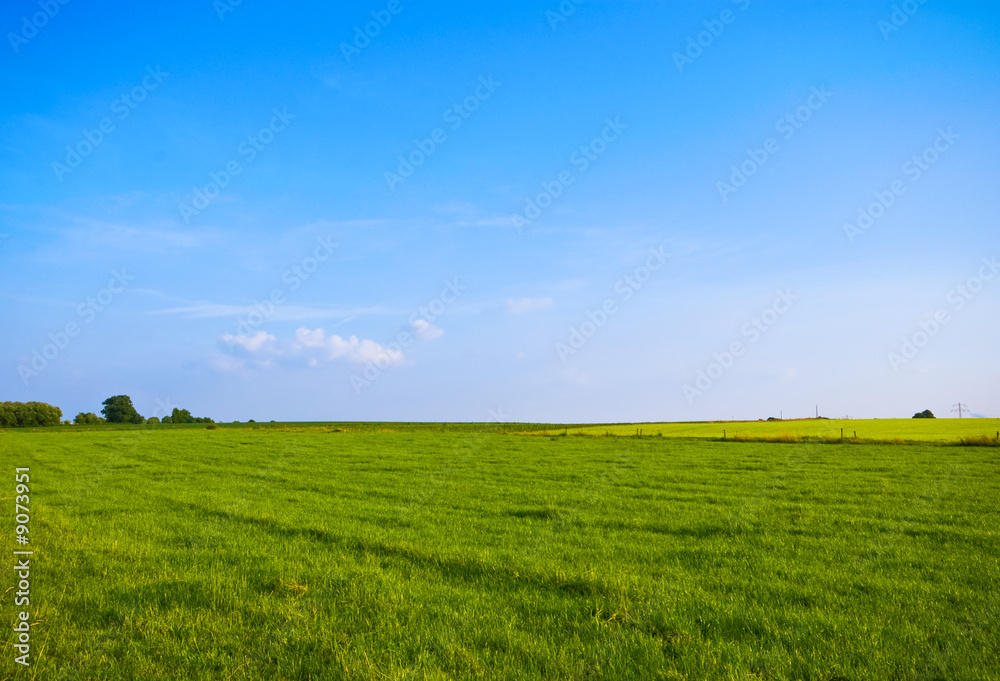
88,419
925,414
119,409
8,414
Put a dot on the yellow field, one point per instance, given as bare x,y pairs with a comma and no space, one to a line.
921,430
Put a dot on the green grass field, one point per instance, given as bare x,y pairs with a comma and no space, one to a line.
345,551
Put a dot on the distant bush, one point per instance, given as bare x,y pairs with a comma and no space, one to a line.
153,421
184,416
28,414
88,419
925,414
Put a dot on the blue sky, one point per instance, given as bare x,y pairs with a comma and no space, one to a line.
582,212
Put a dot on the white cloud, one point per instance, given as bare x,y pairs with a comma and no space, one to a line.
259,342
425,330
525,305
261,349
352,349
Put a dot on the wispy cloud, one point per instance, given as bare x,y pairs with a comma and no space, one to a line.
282,313
131,235
526,305
425,330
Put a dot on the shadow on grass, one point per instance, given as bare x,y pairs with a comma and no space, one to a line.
547,513
468,570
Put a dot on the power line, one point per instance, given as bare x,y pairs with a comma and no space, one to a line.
960,408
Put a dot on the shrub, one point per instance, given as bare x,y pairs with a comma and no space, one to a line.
925,414
88,419
184,416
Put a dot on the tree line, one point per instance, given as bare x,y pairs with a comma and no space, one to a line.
119,409
116,409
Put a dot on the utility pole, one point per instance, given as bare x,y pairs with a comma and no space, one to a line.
960,408
817,411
